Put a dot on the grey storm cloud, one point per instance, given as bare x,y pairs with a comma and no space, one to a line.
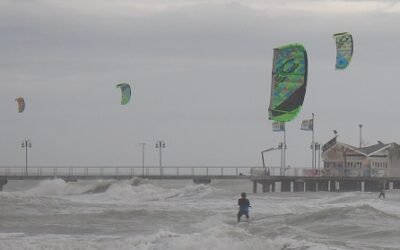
200,71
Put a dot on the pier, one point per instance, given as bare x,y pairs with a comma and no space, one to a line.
328,184
305,180
268,179
198,174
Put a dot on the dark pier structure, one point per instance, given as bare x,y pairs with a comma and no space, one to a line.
323,183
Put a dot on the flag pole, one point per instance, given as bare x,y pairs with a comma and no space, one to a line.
284,151
313,144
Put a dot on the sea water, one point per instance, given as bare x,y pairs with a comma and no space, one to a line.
152,214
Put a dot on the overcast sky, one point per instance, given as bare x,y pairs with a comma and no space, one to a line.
201,76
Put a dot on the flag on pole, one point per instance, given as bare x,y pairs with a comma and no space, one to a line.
329,144
307,125
278,126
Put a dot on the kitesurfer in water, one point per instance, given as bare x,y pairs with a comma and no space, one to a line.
244,205
382,193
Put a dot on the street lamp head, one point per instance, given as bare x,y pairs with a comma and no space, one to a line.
30,144
23,144
160,144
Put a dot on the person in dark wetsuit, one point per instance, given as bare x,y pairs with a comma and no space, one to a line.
244,205
382,193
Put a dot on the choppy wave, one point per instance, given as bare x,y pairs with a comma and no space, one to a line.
222,237
125,188
140,214
59,187
337,214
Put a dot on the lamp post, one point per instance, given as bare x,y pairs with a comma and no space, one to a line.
313,145
360,126
160,145
143,147
26,144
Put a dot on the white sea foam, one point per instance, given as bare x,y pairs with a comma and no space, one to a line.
137,214
222,237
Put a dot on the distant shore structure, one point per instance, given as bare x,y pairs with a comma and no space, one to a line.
378,160
345,168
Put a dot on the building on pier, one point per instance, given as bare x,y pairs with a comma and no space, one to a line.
378,160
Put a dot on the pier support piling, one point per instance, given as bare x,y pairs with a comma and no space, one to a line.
266,187
348,185
286,186
2,183
371,186
298,186
323,185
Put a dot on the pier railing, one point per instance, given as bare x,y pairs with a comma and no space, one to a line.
204,171
124,171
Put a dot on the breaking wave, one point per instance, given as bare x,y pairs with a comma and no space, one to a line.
222,237
127,190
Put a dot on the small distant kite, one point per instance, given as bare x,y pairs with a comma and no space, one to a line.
21,104
126,93
289,82
344,49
